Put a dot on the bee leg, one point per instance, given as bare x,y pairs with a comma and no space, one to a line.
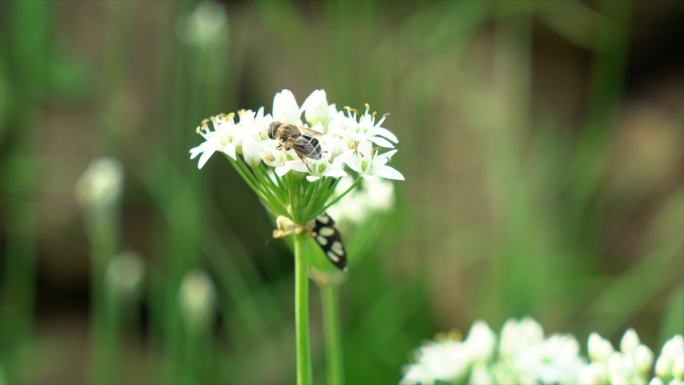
308,167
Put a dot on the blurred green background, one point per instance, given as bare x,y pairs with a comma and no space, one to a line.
542,144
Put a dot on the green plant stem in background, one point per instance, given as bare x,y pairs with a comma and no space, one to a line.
103,231
302,312
331,330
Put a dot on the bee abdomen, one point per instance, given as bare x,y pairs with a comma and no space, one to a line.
308,146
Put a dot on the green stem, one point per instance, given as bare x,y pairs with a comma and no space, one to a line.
302,313
103,232
331,329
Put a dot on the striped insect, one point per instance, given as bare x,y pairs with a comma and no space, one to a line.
328,237
301,139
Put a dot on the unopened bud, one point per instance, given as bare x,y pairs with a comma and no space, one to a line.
599,348
197,297
125,273
100,184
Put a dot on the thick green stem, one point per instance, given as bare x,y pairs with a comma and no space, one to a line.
331,329
302,313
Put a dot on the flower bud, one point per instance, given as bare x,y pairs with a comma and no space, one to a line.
196,298
643,359
481,341
593,374
100,184
206,25
629,342
316,107
663,366
599,348
678,367
125,273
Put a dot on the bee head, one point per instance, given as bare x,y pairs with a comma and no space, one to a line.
272,129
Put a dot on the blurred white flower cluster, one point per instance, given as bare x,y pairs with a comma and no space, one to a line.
523,355
375,195
350,141
206,25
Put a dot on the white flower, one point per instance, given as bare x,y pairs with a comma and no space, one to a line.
481,341
100,184
629,342
557,360
367,162
225,138
670,363
448,360
324,167
253,128
317,110
285,108
593,374
599,348
380,194
516,335
367,129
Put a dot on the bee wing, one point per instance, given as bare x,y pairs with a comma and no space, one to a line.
306,145
329,239
308,131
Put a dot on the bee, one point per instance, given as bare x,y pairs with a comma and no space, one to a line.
301,139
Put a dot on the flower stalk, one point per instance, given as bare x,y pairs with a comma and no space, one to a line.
303,338
331,330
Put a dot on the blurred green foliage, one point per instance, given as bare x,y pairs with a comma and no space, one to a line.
535,184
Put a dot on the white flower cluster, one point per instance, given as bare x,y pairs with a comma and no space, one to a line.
633,362
523,355
348,141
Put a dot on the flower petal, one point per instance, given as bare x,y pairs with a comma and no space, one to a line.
388,172
205,157
285,108
282,170
381,131
354,163
382,142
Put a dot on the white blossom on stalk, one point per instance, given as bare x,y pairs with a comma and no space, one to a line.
368,163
